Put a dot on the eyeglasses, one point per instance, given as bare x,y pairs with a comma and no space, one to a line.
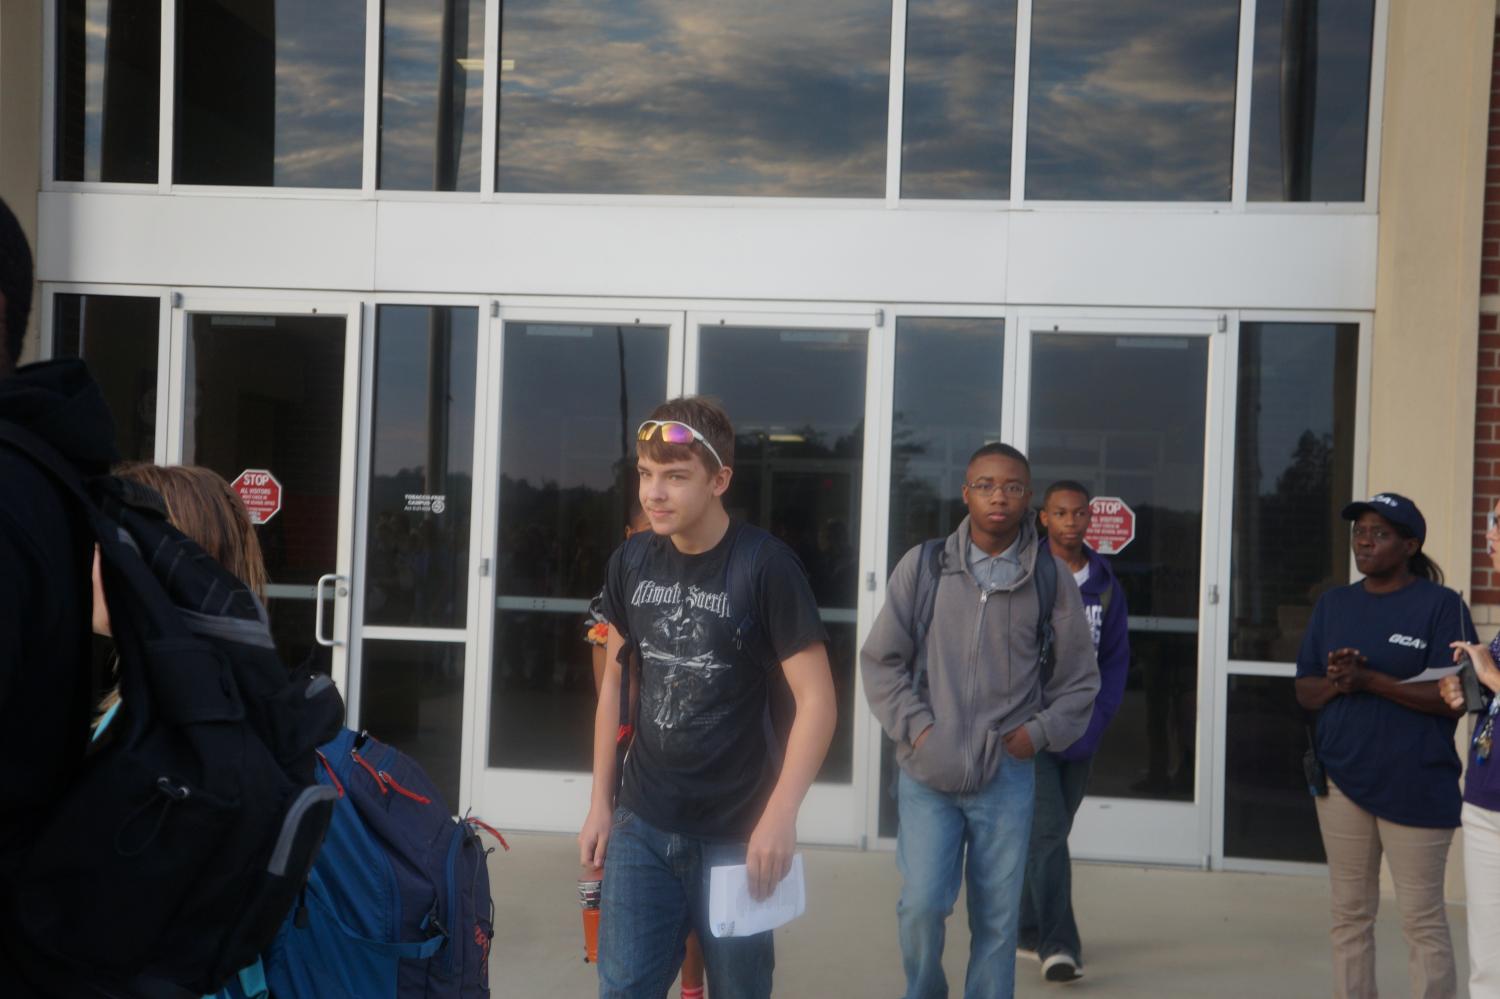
676,432
1489,523
987,487
1376,534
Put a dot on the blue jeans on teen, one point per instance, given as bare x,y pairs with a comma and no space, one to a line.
1047,924
655,890
944,837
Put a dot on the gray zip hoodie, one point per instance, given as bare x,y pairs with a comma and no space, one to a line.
983,679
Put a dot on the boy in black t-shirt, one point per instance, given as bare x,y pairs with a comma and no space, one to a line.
713,608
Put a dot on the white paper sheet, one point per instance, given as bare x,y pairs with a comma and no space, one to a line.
733,913
1435,673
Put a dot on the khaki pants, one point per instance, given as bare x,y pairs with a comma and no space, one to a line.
1482,879
1355,840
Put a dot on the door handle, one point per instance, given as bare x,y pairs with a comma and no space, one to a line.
324,580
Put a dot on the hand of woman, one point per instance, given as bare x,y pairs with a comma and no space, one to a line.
1452,691
1484,663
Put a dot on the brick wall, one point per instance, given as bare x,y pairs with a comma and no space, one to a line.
1485,585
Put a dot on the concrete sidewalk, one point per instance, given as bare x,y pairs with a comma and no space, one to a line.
1147,932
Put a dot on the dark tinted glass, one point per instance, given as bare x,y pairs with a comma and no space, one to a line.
949,374
267,392
117,337
270,93
672,97
797,399
960,89
1126,416
431,94
108,90
411,695
1310,101
1268,812
1294,471
1132,101
422,466
572,398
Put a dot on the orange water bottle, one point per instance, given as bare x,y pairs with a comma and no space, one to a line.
589,884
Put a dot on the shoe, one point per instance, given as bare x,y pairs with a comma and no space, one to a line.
1061,968
1028,951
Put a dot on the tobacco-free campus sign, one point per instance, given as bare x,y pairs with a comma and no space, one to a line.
260,492
1112,526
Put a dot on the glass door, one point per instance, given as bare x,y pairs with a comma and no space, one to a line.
798,390
568,387
265,393
1128,407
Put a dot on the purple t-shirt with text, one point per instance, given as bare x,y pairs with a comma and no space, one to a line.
1482,781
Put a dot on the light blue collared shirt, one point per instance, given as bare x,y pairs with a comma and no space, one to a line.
994,572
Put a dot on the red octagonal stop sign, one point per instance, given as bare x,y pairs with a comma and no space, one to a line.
1112,526
260,492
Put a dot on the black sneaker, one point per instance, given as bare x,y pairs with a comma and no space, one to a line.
1061,968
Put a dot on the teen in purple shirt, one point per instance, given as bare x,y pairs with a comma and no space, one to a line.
1481,810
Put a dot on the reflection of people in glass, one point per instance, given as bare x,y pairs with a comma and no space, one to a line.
1048,928
702,776
1385,745
969,724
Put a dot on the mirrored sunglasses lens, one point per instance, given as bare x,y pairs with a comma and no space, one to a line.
676,433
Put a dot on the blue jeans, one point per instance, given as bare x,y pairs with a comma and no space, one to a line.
937,831
1047,924
655,890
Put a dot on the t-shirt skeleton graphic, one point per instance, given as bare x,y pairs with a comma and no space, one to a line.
703,761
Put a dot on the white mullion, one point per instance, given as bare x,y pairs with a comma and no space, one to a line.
166,116
1020,102
1243,88
370,165
895,104
169,440
49,103
162,446
872,597
1015,415
1378,43
865,766
489,163
364,461
1226,408
478,622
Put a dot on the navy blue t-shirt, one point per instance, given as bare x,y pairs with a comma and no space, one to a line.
1394,762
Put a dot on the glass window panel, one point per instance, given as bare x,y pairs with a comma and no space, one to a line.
949,374
422,466
1294,471
572,397
738,97
960,88
267,392
797,401
108,90
431,94
1131,102
1268,814
116,335
1126,416
1310,100
270,93
411,697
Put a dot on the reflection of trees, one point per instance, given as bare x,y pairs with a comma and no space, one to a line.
556,541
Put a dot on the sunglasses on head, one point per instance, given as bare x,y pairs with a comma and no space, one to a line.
676,432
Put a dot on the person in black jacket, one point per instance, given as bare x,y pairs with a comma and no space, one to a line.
46,598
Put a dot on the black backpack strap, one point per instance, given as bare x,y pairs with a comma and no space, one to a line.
924,605
1046,602
46,457
739,584
632,557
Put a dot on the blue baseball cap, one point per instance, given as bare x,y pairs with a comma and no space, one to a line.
1393,507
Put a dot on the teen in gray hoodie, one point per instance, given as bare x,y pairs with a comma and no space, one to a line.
965,740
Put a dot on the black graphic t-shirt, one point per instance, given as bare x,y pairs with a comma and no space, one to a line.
702,763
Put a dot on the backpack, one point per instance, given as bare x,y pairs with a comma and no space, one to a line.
739,584
924,605
398,903
188,833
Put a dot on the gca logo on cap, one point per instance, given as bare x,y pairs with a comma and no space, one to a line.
1384,499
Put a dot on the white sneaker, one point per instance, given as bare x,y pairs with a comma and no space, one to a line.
1029,953
1061,968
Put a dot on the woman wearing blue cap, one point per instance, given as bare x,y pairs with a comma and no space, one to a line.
1386,745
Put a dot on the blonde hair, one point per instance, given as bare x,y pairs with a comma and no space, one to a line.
201,505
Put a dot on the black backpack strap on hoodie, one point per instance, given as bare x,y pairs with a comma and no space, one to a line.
632,557
46,457
924,605
1046,602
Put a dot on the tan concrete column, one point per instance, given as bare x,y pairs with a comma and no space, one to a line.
21,120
